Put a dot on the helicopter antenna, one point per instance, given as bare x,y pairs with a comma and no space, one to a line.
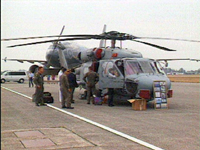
102,43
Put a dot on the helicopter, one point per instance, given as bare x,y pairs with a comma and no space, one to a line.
125,70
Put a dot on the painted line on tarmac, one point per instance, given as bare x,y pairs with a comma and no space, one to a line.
16,92
95,123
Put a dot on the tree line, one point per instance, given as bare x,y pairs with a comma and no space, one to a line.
181,71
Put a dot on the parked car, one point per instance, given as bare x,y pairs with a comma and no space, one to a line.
15,76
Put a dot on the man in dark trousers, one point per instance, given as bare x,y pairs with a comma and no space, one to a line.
110,97
39,87
65,90
91,78
72,82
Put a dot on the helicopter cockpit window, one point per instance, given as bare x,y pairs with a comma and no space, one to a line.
159,67
133,67
110,70
147,67
154,67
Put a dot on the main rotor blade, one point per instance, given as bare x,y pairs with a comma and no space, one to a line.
111,35
172,39
67,39
51,36
153,45
173,59
55,43
197,60
26,38
62,30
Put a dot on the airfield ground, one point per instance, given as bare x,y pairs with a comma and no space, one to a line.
173,78
185,78
25,126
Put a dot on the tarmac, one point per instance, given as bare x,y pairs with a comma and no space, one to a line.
92,127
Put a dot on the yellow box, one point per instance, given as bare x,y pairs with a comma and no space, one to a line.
138,104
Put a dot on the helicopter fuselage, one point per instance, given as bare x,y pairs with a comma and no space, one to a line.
124,70
131,76
133,73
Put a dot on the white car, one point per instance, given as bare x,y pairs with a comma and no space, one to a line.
15,76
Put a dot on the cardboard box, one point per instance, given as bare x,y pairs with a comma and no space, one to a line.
138,104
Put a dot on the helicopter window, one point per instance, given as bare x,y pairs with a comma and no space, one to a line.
146,67
132,67
154,67
110,70
159,67
120,66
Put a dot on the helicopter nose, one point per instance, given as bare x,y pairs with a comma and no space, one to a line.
145,82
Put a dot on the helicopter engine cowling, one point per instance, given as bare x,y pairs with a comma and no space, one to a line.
98,53
85,56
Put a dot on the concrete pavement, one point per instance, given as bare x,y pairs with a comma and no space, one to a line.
25,126
175,128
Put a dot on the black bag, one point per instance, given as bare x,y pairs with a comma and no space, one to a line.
48,99
46,94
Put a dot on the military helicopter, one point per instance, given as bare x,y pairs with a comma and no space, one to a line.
123,69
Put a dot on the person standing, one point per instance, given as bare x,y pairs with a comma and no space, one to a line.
110,94
65,90
91,78
53,77
72,82
110,97
31,75
39,86
60,73
48,77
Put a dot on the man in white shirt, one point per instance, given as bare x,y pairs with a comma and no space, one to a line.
31,75
59,75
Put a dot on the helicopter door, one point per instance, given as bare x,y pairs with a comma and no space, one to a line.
110,75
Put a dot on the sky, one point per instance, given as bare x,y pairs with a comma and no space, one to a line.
145,18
